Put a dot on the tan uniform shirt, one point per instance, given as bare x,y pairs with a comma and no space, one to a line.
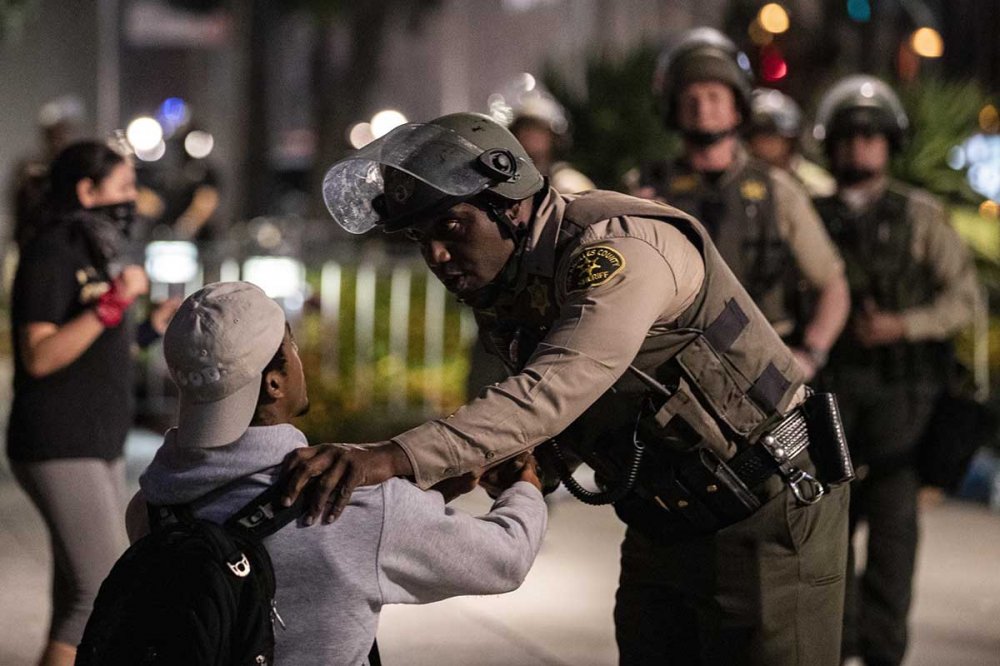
595,336
936,244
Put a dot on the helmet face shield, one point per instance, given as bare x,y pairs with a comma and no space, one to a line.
422,164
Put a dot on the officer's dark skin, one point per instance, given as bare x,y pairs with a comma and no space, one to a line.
466,250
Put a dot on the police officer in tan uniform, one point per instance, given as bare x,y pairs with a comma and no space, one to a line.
633,347
760,218
913,286
773,135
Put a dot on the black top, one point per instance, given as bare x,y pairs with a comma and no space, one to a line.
85,409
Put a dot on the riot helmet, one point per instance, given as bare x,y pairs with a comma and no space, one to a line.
861,103
702,54
774,112
419,169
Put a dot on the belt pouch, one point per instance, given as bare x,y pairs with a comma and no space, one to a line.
827,442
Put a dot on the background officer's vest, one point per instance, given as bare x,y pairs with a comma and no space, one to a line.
877,247
741,219
730,374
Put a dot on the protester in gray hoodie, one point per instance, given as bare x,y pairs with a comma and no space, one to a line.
241,381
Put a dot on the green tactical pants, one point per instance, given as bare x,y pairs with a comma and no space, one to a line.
768,590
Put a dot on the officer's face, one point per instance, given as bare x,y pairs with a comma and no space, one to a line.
772,148
463,248
862,151
707,106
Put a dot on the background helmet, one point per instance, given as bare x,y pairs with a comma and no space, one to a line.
523,97
418,169
702,54
773,112
861,103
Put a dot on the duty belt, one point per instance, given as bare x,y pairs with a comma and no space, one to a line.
774,453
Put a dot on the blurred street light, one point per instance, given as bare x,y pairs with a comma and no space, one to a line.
144,133
360,135
773,18
927,43
385,121
152,154
989,119
859,10
172,262
198,144
758,35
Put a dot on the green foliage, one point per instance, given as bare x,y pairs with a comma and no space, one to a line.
614,125
942,114
354,403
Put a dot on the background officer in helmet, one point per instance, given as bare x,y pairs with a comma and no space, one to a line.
913,286
735,548
760,218
773,135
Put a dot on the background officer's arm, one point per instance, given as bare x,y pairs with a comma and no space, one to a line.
598,333
817,259
954,271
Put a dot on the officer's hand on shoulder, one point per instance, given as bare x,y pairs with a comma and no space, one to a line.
340,468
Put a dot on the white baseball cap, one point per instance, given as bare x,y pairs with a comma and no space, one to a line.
216,346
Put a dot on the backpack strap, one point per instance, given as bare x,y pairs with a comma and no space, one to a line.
264,515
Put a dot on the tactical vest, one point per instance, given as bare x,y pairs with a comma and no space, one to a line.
877,247
729,374
741,219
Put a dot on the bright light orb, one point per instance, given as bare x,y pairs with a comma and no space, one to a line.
360,135
773,18
385,121
199,144
927,43
144,133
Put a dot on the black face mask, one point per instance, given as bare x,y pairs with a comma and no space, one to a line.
852,176
121,214
703,139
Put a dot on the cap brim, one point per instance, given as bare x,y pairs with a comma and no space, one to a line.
212,424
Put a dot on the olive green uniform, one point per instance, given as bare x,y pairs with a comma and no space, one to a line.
902,255
765,227
604,281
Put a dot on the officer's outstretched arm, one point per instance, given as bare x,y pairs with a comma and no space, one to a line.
613,291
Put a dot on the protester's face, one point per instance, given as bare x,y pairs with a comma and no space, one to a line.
463,247
707,106
773,148
117,187
862,152
297,395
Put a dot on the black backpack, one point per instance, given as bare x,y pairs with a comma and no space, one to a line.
191,592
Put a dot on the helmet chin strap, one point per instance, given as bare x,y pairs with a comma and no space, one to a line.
704,139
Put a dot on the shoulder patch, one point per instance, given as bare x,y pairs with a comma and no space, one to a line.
593,267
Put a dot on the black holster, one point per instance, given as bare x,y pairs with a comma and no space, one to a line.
827,440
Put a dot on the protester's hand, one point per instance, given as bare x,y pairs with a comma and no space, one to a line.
457,486
874,327
340,469
132,282
522,468
161,315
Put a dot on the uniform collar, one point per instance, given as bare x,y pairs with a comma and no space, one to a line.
540,250
740,160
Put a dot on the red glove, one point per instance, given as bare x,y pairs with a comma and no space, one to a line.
111,306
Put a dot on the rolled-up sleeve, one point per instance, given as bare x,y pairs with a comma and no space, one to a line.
596,336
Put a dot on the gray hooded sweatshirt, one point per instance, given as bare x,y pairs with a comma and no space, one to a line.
394,543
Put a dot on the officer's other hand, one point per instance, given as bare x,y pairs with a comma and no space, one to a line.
874,327
132,282
457,486
339,468
805,363
501,477
161,315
